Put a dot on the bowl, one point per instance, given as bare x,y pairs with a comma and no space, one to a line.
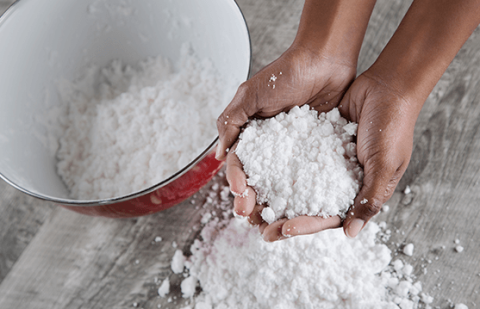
44,41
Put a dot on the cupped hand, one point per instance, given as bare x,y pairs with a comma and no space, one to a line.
386,119
298,77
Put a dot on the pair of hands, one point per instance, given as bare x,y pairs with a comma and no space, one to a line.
319,69
384,138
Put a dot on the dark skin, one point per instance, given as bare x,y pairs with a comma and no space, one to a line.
319,69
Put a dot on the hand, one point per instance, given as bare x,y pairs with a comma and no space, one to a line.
386,119
305,78
316,70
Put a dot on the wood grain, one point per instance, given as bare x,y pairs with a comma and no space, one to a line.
52,258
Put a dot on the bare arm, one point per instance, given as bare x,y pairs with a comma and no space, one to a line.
386,99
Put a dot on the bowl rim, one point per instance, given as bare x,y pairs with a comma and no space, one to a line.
143,192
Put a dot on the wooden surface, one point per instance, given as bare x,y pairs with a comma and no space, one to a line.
53,258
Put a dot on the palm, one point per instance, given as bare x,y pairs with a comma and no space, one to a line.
384,143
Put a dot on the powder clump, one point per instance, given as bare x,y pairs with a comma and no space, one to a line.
301,163
129,127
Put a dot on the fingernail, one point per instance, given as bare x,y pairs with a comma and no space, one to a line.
237,215
355,227
219,152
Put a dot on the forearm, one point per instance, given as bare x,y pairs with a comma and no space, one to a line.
427,40
334,28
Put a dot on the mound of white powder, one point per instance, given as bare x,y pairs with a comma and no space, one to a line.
130,127
301,163
235,268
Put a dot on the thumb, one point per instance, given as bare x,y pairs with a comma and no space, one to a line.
378,186
234,116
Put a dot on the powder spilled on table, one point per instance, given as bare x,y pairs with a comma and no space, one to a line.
235,268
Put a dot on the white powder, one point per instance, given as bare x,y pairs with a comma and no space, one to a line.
301,163
164,289
461,306
408,250
128,128
188,286
178,262
407,190
237,269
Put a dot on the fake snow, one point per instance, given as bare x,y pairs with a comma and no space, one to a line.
407,190
188,287
235,268
408,250
301,163
128,128
178,261
164,289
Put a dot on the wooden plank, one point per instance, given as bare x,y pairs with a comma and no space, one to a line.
77,261
20,218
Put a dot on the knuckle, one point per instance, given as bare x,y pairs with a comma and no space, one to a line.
243,88
220,121
372,207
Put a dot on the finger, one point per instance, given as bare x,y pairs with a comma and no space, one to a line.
347,108
262,227
379,183
255,218
273,232
245,196
234,116
305,225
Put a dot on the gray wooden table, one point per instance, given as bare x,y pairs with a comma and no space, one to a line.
53,258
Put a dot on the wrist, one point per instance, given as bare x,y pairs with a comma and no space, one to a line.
334,29
424,45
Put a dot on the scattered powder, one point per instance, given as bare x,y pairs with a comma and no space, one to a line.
206,217
301,163
459,249
407,190
461,306
164,289
188,286
237,269
158,239
244,194
408,250
178,262
385,208
128,128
